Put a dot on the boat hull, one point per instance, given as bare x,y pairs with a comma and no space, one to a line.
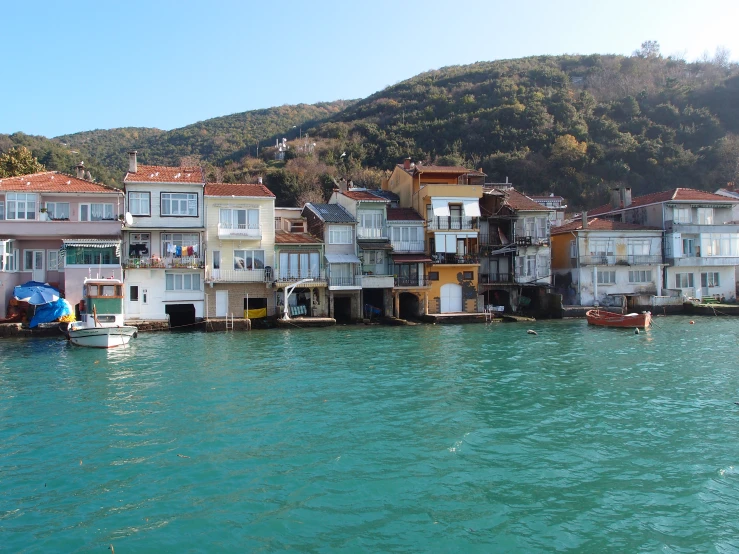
626,321
101,337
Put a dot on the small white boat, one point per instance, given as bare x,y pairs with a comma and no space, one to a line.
101,314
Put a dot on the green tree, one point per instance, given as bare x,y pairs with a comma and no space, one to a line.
19,161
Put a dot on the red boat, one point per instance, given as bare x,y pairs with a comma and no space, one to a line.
609,319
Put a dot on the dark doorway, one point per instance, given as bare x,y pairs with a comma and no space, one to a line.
498,298
255,308
180,314
342,309
374,300
409,306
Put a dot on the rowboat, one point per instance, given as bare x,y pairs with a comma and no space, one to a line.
609,319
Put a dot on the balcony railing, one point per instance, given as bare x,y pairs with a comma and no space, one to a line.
377,281
446,258
345,281
453,223
407,246
239,231
412,282
371,232
621,260
494,278
239,275
155,262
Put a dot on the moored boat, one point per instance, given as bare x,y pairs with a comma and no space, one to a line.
609,319
101,322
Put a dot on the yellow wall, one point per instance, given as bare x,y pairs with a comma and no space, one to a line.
561,251
452,274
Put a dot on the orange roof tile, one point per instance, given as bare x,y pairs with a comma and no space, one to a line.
601,225
283,237
53,181
363,195
403,214
517,201
674,195
245,189
165,174
456,169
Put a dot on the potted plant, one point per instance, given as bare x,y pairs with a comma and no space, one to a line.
43,214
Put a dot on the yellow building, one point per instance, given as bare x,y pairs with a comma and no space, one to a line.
447,197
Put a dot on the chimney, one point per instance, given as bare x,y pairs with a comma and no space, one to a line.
616,198
342,185
259,180
132,165
730,186
88,176
407,164
626,197
80,167
585,220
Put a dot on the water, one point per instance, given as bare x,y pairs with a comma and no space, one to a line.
468,438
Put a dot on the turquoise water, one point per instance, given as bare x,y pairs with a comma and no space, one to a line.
470,438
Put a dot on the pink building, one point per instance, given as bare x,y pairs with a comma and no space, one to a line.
57,229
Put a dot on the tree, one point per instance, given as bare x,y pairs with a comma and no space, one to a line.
649,49
19,161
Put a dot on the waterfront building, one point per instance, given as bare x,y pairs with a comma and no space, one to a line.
411,285
515,255
239,250
299,256
701,238
448,198
557,207
58,229
598,262
163,242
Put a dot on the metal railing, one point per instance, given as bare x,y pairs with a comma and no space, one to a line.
621,260
407,245
412,281
342,281
240,230
238,275
156,262
283,274
453,222
372,232
491,278
446,258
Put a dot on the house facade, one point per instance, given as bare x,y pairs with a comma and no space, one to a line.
58,229
599,262
240,250
163,243
406,229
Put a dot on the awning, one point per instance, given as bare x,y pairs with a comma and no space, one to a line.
440,206
471,207
410,258
375,245
342,259
93,243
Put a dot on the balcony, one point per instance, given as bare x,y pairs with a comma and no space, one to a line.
287,277
412,282
704,261
22,228
238,275
455,259
345,282
620,260
372,233
453,223
378,281
407,246
698,228
494,278
239,231
155,262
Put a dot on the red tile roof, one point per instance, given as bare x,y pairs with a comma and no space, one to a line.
53,181
517,201
283,237
229,189
403,214
600,225
674,195
363,195
456,169
165,174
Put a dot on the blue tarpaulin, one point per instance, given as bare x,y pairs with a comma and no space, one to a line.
35,293
52,311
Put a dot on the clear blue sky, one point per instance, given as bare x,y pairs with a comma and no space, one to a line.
72,66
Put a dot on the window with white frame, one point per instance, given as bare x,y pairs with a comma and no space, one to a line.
529,226
96,212
179,204
340,234
530,266
640,276
689,247
2,209
681,214
573,249
248,260
58,210
705,216
710,279
20,205
239,218
139,203
55,260
179,244
299,265
684,280
720,244
374,257
638,247
370,224
33,259
519,266
606,277
8,256
407,234
542,226
182,281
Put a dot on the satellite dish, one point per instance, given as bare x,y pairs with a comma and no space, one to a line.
129,218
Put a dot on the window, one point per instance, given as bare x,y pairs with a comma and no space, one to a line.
638,247
8,256
541,227
299,265
133,293
33,259
683,280
340,234
87,255
529,226
58,210
433,275
370,224
2,210
530,266
705,216
681,215
573,249
239,219
374,257
96,212
640,276
468,275
689,247
278,223
171,242
601,248
179,204
19,205
216,259
606,277
720,244
182,281
55,260
139,203
709,279
139,245
248,259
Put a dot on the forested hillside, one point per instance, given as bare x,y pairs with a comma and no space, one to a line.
574,125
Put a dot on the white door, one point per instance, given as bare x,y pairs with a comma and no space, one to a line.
134,300
34,262
451,298
221,303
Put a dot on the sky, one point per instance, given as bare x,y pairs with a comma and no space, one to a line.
71,66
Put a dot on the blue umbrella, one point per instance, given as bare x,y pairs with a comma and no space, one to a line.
36,293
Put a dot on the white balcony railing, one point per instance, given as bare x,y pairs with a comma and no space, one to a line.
414,246
371,232
234,231
378,281
454,222
236,275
